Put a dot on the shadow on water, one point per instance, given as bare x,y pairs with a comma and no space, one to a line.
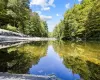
66,60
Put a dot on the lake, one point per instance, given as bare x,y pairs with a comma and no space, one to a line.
65,60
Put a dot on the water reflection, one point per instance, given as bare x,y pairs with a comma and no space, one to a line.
19,59
66,60
82,58
53,64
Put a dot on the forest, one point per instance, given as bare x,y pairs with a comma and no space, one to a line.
15,15
81,22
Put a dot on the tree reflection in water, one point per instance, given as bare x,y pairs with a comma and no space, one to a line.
82,58
19,59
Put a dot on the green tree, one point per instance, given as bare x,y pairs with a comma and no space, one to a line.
16,13
81,22
93,22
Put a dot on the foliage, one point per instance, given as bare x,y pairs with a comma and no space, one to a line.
11,28
17,13
80,22
93,21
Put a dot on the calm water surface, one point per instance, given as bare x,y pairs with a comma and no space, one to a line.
65,60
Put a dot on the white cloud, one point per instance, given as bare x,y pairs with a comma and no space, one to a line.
58,15
45,18
44,4
51,25
51,3
38,2
67,5
46,9
79,1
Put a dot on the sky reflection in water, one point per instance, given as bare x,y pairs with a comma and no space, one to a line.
53,64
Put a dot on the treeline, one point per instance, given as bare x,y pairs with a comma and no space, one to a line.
15,15
82,22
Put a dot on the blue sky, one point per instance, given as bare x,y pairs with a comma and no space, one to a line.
52,11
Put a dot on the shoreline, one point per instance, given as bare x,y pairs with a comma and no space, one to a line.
8,76
10,41
14,38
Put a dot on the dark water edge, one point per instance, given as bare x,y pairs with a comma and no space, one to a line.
66,60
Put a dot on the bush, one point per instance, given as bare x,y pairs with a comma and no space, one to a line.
11,28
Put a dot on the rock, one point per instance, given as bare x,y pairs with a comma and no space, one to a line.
7,76
11,33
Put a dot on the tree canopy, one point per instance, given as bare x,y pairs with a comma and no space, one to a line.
19,16
80,22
